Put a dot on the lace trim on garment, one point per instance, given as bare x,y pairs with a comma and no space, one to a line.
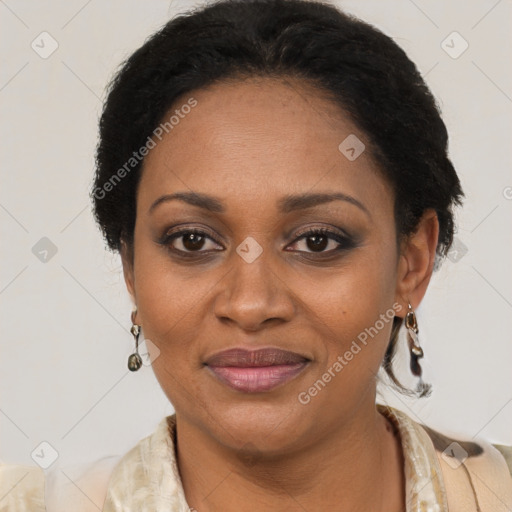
424,484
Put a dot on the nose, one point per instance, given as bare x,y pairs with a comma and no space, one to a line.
253,295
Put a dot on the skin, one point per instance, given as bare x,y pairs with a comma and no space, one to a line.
249,143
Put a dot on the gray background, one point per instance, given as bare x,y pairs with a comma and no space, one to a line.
65,315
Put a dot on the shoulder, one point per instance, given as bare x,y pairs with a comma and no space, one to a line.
456,474
477,474
147,477
78,487
21,488
506,452
458,451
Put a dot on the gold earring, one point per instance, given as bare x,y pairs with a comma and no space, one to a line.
135,361
416,351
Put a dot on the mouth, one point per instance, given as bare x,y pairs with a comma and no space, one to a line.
256,371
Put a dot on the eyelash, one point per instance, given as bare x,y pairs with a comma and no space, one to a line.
345,242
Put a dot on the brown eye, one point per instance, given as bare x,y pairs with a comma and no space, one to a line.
317,243
190,241
322,241
193,241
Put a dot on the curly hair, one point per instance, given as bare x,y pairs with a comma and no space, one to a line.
362,70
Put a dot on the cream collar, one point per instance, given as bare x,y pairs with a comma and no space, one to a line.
147,479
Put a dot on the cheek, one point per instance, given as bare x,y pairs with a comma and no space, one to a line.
354,311
170,314
359,291
167,293
168,307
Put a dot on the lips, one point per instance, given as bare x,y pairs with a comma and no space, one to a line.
255,371
243,358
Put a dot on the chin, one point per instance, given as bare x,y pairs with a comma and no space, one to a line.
260,426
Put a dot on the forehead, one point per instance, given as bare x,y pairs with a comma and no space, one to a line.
253,140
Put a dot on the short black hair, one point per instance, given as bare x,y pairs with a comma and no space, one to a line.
361,69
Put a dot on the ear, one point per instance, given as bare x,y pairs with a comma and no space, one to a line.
129,275
416,261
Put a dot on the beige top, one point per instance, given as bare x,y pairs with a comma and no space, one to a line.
441,474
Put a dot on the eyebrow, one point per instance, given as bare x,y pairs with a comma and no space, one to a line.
286,204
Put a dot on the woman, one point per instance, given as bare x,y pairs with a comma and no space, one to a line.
274,174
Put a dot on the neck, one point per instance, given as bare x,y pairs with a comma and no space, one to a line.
358,465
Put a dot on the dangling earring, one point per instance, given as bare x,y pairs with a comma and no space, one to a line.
135,361
416,351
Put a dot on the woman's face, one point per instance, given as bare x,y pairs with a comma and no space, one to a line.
261,157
